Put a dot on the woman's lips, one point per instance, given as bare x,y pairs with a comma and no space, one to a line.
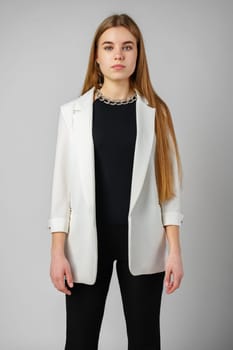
118,66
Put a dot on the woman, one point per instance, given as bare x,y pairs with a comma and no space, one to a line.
116,193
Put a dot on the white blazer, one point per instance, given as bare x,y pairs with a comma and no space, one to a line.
73,193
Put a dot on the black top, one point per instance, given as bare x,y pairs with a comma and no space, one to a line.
114,135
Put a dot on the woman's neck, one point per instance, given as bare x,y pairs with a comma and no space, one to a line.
117,91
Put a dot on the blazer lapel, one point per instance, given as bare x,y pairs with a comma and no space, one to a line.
83,145
144,141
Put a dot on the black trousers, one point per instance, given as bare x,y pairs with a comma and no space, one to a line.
141,298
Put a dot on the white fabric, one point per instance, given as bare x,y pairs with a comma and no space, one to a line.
73,193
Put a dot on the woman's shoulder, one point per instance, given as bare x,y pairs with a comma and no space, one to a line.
76,103
70,108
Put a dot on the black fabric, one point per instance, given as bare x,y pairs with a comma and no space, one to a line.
141,298
114,136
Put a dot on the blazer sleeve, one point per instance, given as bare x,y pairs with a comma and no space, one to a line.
171,209
60,195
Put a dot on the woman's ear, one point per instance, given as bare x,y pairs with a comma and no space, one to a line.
96,57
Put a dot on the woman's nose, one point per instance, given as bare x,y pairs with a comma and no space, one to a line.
118,54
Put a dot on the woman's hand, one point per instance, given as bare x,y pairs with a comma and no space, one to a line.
173,272
174,267
59,269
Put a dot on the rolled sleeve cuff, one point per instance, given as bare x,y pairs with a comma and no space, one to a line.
58,225
172,218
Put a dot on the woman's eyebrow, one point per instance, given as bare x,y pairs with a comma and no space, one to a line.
124,43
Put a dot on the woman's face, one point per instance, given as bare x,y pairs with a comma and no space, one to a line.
117,54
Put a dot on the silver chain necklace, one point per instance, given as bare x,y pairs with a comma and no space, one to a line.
108,101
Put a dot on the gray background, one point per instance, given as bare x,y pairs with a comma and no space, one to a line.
44,51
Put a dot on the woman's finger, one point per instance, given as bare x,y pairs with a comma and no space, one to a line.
61,286
69,277
167,278
176,282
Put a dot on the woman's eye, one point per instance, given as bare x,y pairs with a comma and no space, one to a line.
127,48
108,48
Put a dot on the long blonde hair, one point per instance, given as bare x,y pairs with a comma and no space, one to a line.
140,80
